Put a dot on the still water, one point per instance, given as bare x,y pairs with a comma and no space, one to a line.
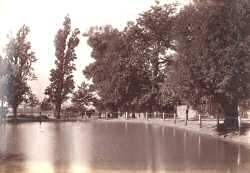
105,147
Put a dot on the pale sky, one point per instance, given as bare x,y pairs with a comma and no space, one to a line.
45,17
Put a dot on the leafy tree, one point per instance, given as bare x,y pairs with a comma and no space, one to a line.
46,105
213,54
83,97
61,77
3,66
3,82
32,100
20,58
153,43
117,77
129,67
105,41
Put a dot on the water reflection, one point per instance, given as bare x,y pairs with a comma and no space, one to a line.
114,147
199,147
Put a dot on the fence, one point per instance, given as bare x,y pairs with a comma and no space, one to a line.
141,115
166,116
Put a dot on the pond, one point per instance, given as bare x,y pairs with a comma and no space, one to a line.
112,147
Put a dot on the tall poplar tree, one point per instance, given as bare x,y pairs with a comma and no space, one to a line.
61,77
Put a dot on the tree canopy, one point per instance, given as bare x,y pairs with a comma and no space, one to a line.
197,55
129,66
213,54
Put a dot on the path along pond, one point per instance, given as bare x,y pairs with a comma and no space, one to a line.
112,147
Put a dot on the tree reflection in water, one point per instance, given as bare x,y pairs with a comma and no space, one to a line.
115,147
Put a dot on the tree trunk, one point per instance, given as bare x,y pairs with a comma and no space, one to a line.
133,115
58,111
2,109
231,114
32,110
14,109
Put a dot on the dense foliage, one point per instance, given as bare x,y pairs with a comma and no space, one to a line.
213,54
198,55
83,97
61,77
20,59
130,64
195,55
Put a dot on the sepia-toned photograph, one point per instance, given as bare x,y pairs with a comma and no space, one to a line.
124,86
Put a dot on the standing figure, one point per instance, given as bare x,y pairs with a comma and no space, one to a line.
187,110
40,117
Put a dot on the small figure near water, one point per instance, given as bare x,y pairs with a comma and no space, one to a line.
40,117
187,110
40,121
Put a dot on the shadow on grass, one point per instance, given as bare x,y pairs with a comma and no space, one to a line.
225,131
